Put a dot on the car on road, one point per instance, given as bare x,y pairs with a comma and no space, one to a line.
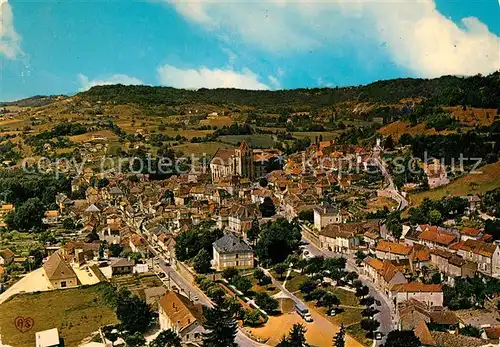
195,298
378,335
161,275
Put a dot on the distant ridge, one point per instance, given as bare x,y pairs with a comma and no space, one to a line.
34,101
476,91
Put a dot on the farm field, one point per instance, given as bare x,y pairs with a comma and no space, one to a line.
137,284
208,148
77,313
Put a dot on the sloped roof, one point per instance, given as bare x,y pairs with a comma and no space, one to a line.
180,310
230,244
7,254
415,287
424,335
392,247
433,234
479,247
122,262
57,269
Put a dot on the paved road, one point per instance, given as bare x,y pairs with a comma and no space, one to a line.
192,291
403,203
385,314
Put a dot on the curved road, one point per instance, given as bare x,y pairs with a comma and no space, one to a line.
385,315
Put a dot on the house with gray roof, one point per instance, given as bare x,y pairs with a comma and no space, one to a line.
230,251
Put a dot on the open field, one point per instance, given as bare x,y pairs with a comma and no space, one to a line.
254,141
398,128
198,149
379,203
359,334
472,116
107,134
327,135
188,133
75,312
218,121
488,179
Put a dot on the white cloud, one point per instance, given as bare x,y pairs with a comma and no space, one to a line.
9,39
416,35
209,78
274,82
86,83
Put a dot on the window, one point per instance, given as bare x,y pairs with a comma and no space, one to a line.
63,284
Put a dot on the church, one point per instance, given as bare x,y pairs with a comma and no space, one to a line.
233,162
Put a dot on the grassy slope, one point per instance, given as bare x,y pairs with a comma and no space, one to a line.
75,312
488,179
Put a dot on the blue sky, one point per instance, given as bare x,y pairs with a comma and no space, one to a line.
52,47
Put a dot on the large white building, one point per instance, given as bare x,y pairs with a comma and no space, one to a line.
230,251
325,215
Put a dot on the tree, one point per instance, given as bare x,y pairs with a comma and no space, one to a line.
133,312
167,338
402,338
435,217
296,337
115,249
351,276
135,340
267,208
307,286
470,330
263,182
280,269
266,302
220,325
369,324
103,182
254,231
394,225
339,338
258,274
242,283
389,143
367,301
277,241
330,300
369,312
265,280
307,215
26,216
229,273
436,278
362,291
201,262
216,293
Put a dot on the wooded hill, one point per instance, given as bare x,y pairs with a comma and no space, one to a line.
475,91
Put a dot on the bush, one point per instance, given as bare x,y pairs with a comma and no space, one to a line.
252,318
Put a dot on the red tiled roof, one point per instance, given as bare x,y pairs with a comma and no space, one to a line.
416,287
